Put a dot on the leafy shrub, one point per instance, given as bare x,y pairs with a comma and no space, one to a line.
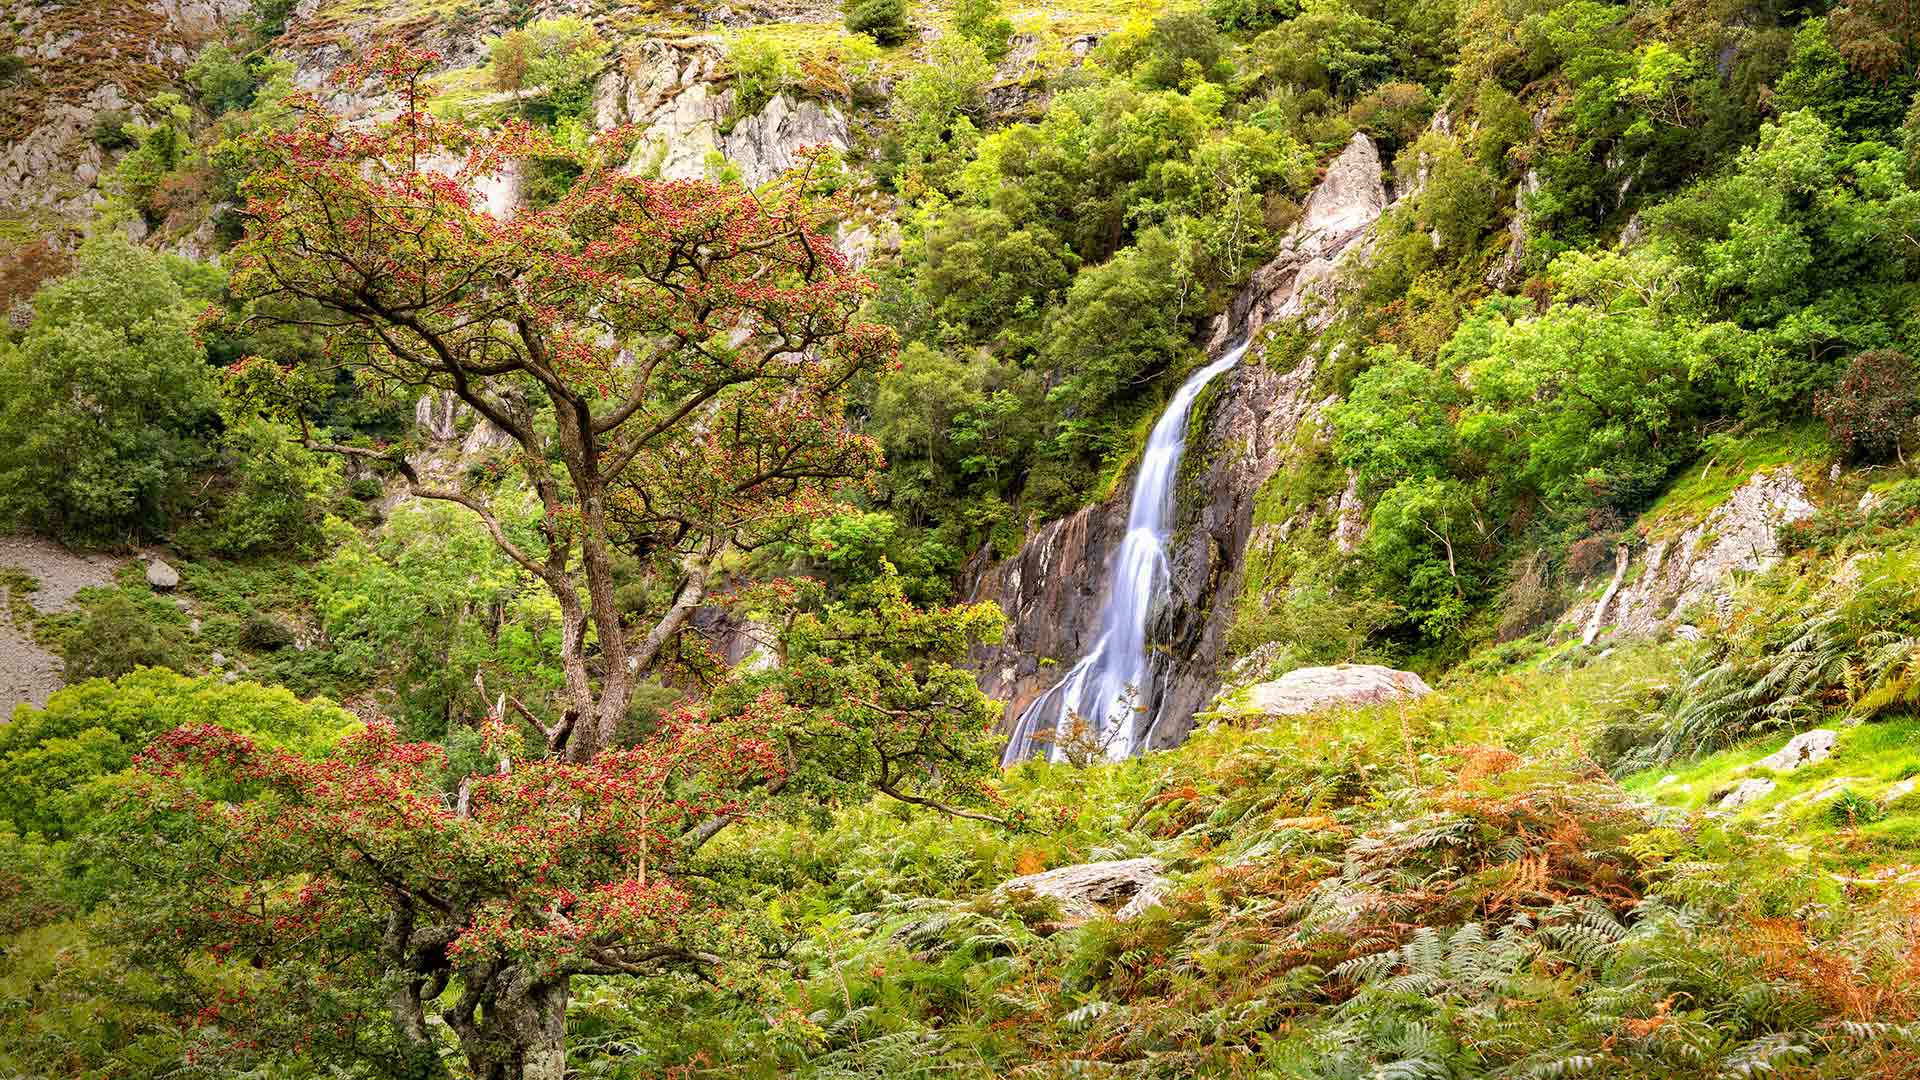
221,80
277,495
985,23
118,631
761,69
13,68
885,21
1872,406
561,56
109,130
264,633
1251,14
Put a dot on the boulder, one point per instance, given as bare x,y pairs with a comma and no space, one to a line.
1306,690
1123,888
1746,792
1806,748
161,576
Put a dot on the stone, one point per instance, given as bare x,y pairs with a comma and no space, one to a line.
769,142
1899,791
1745,792
1806,748
1123,888
161,576
1306,690
1697,565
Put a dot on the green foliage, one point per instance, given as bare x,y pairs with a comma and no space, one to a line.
278,496
221,80
427,606
761,69
558,59
985,22
159,148
937,105
104,402
118,630
885,21
53,759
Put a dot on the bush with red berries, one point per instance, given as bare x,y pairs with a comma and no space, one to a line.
1872,405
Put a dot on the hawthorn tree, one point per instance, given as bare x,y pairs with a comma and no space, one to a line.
668,358
349,901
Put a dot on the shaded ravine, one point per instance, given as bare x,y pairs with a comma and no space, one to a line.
1109,692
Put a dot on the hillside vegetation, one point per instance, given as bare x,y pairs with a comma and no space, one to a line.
561,449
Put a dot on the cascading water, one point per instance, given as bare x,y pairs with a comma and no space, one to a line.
1108,691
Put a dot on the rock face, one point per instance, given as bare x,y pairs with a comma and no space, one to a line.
1696,565
85,58
672,91
1307,690
1339,215
1051,589
1124,888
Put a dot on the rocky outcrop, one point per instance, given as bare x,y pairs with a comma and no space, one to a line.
1051,589
1338,217
768,143
1123,888
1309,690
85,59
1697,565
674,92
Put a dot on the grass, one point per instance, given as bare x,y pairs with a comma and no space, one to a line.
1869,767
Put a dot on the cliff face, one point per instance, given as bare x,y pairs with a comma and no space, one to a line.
1053,588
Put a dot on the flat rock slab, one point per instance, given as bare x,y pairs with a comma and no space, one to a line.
1123,888
1806,748
1307,690
1748,791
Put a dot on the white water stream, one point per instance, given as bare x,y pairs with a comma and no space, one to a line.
1108,691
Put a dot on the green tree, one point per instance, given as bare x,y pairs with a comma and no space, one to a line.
885,21
105,402
985,22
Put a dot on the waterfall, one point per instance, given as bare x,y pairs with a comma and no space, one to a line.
1108,690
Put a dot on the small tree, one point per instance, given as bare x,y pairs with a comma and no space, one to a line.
667,357
103,403
1872,406
885,21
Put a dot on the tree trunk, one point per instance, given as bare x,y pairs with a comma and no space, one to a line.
521,1030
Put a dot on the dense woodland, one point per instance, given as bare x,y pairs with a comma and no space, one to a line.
627,728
